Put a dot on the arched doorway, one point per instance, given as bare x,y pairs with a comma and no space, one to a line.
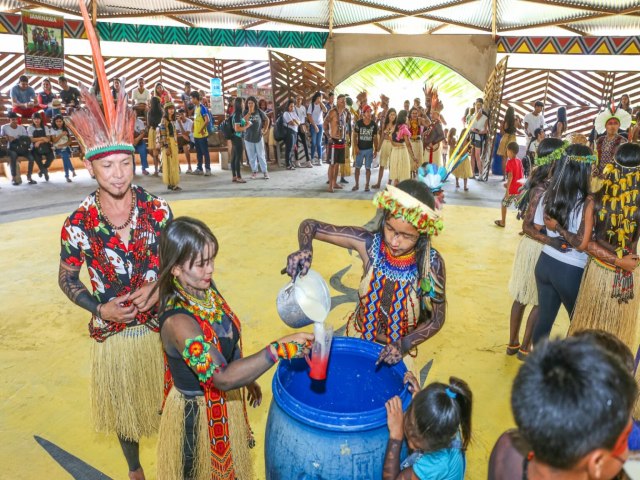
403,78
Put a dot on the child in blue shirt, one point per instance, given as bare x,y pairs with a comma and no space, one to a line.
437,427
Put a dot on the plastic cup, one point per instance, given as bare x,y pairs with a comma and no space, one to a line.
320,352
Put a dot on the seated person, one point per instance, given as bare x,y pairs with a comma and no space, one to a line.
48,101
184,131
140,97
19,145
69,96
23,99
185,96
140,145
42,150
572,402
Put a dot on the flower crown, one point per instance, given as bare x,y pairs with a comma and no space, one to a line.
403,206
553,156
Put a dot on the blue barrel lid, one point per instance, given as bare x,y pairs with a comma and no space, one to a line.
349,404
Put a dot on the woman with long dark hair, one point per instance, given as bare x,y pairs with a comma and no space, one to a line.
169,156
388,126
402,290
240,123
403,159
154,117
522,285
292,122
60,140
561,125
610,291
510,124
559,271
204,421
315,115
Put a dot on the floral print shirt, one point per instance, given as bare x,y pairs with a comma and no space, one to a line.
115,268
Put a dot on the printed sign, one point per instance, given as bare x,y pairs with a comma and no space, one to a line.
43,43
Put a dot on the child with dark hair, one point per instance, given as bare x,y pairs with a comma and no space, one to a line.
572,404
513,171
437,426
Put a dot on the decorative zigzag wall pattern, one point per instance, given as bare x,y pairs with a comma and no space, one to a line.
570,45
156,34
582,93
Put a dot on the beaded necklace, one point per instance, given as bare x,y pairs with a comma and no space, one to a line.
107,221
210,308
402,271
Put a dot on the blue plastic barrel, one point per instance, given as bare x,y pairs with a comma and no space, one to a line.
335,429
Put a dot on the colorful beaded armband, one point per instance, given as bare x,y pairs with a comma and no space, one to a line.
196,354
288,350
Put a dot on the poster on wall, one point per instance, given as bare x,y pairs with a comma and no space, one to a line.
252,90
43,36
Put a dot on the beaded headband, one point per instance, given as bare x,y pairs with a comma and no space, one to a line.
403,206
582,158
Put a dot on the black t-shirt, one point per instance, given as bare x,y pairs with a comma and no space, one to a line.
366,133
253,134
70,97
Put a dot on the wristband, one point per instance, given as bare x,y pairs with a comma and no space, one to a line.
288,350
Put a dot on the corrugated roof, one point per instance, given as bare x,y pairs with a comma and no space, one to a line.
593,17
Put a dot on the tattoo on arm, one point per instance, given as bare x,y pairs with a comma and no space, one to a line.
391,468
69,282
576,239
309,229
602,253
527,223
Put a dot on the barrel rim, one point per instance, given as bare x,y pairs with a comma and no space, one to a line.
348,421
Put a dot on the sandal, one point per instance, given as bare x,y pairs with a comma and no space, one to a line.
240,180
366,189
355,189
513,349
499,223
522,354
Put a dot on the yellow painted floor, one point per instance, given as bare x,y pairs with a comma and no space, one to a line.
44,343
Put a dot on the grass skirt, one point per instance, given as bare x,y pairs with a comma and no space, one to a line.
172,436
507,138
436,158
399,164
127,382
522,285
463,170
385,154
416,146
595,309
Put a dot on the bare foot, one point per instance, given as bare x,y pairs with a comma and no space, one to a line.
330,190
355,189
338,186
137,474
376,186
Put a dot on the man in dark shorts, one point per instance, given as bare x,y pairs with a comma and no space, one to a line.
335,128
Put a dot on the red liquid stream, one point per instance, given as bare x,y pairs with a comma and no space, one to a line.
318,369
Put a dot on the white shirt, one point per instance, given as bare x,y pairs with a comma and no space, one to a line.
185,126
289,117
8,130
301,111
479,123
140,97
63,140
139,126
573,256
316,114
533,122
31,129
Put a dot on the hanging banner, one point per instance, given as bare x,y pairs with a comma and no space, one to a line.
252,90
43,36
